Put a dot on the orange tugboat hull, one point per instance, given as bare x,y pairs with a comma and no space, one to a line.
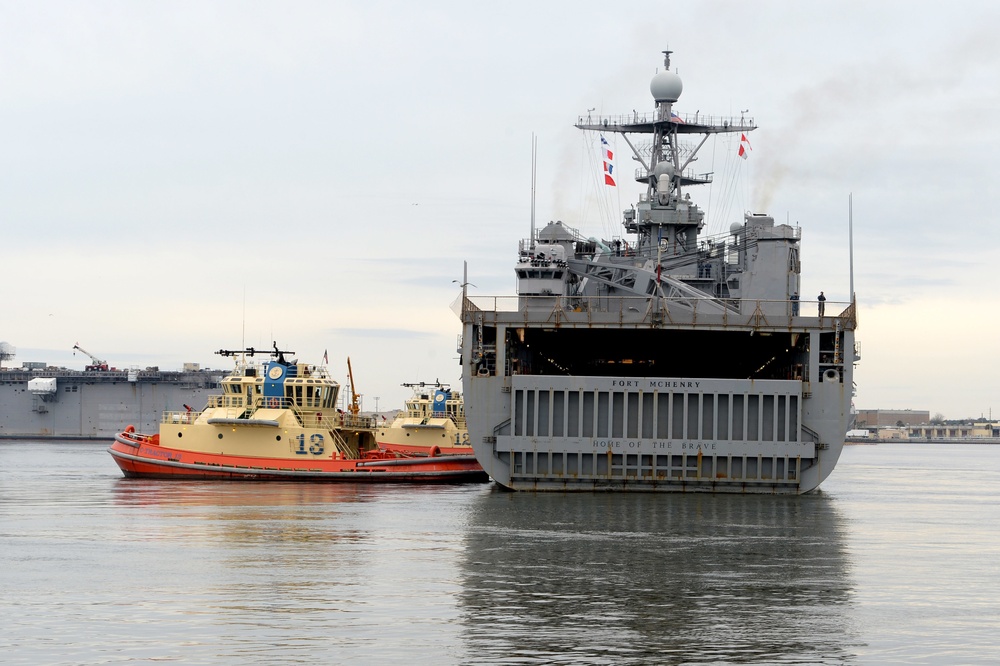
427,450
142,456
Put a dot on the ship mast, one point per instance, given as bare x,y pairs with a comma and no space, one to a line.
534,162
664,141
665,216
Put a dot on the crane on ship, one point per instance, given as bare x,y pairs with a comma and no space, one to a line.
354,408
96,364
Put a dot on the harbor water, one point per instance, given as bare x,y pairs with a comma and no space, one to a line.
894,561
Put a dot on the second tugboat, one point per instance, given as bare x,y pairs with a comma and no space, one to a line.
433,421
278,421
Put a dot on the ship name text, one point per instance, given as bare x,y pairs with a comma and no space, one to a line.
157,453
655,445
654,383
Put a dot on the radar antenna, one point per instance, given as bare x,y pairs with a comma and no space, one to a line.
435,384
7,352
278,354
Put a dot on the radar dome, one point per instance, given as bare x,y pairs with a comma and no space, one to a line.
662,168
666,87
736,228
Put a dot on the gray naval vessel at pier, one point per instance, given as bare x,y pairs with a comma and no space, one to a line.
666,360
38,401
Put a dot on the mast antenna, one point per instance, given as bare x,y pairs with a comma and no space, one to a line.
243,333
534,162
850,237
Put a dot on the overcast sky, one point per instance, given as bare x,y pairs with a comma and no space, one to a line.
180,177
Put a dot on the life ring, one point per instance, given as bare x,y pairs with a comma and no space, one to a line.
273,402
129,429
435,451
831,375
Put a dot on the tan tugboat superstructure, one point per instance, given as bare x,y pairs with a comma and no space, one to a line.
431,421
277,420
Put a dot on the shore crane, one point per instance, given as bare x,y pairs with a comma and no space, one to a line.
96,363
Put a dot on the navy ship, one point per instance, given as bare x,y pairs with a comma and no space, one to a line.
38,401
665,359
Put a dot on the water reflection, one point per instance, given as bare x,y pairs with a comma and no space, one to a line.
165,492
592,578
294,572
254,523
100,568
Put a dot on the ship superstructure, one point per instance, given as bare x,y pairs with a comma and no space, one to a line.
663,360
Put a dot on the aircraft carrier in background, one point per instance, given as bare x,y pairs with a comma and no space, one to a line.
42,401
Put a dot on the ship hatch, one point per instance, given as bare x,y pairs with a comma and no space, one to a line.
661,353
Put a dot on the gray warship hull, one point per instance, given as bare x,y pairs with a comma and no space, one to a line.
703,427
69,404
664,359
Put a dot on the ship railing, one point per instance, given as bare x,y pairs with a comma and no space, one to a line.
314,417
642,175
334,421
611,121
427,411
342,445
686,310
331,423
239,401
227,401
358,421
179,417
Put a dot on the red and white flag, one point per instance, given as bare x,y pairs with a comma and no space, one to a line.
744,146
609,162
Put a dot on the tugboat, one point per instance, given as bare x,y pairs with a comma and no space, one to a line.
278,421
659,361
432,421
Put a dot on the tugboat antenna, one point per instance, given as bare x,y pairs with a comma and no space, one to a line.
250,351
435,384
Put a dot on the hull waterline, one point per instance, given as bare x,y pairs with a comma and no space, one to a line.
139,457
